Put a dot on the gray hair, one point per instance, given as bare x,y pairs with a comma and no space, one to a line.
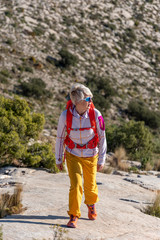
78,92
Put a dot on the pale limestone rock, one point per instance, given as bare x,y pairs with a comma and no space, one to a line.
130,23
119,209
30,20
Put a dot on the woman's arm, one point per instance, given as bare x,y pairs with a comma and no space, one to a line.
102,140
60,138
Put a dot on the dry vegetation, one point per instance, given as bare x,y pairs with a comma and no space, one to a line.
107,170
154,209
157,165
11,204
116,160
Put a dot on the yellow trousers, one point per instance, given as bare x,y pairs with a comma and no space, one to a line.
76,166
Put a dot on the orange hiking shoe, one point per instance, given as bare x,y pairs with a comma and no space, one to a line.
72,222
92,214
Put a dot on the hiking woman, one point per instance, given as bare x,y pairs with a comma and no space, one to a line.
85,150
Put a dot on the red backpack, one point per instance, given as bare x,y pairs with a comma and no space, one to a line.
94,141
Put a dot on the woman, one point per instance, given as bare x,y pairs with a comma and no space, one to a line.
85,150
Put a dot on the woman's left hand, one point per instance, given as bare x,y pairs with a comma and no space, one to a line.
99,167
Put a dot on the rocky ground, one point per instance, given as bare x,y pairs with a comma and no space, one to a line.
122,197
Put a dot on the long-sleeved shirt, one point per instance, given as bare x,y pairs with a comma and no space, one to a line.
81,137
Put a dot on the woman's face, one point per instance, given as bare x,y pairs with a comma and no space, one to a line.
83,105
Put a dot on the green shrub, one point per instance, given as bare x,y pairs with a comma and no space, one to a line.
129,37
102,91
147,50
67,59
95,16
5,73
3,79
40,155
17,126
38,31
133,169
52,37
28,69
35,87
156,27
140,112
9,41
8,13
157,144
139,16
144,161
69,21
133,136
136,23
153,53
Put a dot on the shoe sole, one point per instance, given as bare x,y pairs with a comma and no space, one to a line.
71,226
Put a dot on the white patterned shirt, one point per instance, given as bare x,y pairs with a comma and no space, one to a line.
81,137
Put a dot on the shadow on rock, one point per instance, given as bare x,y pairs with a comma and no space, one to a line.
24,218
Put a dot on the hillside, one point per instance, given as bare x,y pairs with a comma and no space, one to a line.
61,42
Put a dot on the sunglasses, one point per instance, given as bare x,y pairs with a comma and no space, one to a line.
88,99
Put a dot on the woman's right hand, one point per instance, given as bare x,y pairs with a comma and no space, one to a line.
60,166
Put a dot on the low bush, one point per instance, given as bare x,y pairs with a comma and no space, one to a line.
40,155
134,137
133,169
146,163
8,13
3,79
17,126
4,75
129,36
140,112
38,31
9,41
67,59
35,87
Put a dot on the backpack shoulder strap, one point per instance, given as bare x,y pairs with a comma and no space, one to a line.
69,104
69,116
92,117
